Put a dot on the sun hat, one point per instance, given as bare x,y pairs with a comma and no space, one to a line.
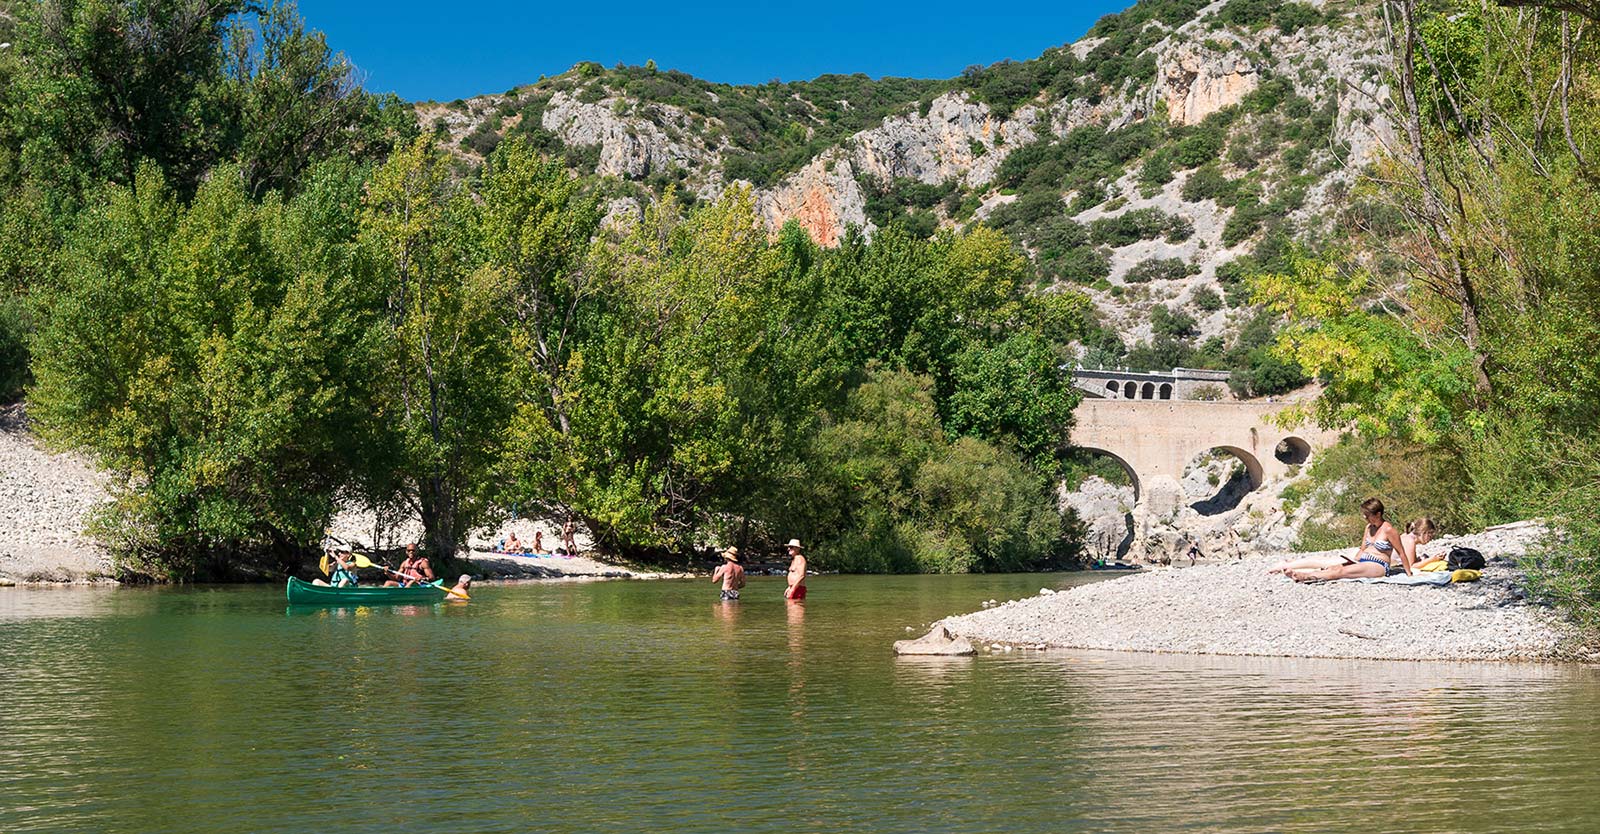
731,554
794,543
465,578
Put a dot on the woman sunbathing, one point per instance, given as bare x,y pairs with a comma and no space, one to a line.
1379,544
1419,533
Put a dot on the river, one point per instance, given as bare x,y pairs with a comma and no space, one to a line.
650,706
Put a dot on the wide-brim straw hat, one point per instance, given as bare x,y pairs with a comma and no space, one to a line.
731,554
794,543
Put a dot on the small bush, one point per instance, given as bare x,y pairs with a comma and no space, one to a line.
1158,269
1207,299
1164,321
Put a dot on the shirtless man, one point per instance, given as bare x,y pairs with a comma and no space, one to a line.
730,573
797,572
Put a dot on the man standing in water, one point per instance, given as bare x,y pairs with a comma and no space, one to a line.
730,573
797,572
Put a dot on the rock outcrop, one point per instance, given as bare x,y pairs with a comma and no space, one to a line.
824,197
1194,82
630,147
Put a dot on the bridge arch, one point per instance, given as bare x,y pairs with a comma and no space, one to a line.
1292,451
1133,475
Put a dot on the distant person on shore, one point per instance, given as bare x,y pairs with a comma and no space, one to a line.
730,573
569,536
1380,544
797,572
513,544
415,569
538,541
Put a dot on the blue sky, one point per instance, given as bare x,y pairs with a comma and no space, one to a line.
442,51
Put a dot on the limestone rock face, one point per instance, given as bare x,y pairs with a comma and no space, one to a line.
957,140
629,147
824,197
1196,82
938,642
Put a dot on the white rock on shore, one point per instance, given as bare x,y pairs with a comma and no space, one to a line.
45,500
1240,609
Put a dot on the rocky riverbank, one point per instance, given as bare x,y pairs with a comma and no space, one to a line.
45,501
1240,609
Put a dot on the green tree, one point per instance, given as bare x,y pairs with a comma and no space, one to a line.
217,358
445,358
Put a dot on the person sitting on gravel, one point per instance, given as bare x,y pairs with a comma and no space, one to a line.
513,544
1419,533
1373,558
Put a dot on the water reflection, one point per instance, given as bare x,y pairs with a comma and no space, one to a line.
629,706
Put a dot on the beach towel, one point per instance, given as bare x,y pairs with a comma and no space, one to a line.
1401,579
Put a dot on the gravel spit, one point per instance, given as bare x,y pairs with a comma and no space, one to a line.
1240,609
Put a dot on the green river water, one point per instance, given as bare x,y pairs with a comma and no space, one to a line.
650,706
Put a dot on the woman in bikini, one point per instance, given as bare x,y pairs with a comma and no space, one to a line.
1379,544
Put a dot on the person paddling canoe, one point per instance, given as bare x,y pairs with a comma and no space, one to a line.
415,568
344,571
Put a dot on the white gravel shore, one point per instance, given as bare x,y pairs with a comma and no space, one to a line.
45,500
1240,609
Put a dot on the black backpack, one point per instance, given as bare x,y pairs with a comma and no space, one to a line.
1464,558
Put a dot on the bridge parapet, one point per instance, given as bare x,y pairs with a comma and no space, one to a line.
1176,384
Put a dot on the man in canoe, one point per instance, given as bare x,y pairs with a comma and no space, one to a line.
415,569
797,572
730,573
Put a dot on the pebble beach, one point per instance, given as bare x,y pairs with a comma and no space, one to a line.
1240,609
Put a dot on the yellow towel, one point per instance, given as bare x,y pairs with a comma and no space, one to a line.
1465,575
1439,565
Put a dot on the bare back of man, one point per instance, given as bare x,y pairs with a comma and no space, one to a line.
730,573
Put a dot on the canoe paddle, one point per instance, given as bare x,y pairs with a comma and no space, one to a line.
364,562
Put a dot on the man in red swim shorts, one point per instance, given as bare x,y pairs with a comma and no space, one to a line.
797,572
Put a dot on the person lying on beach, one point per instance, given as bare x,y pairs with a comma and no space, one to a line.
1373,558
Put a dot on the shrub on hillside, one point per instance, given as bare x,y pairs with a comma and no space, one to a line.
1139,224
1158,269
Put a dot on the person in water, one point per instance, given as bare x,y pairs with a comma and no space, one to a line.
730,573
1380,545
797,571
462,586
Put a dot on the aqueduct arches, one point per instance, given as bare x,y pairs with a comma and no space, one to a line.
1156,439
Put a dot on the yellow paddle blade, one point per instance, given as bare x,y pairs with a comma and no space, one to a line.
362,561
324,564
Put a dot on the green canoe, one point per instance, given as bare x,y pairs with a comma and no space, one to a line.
305,593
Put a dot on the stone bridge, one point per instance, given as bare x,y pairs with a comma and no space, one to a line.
1155,440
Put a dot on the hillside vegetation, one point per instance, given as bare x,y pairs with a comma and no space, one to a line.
1157,216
